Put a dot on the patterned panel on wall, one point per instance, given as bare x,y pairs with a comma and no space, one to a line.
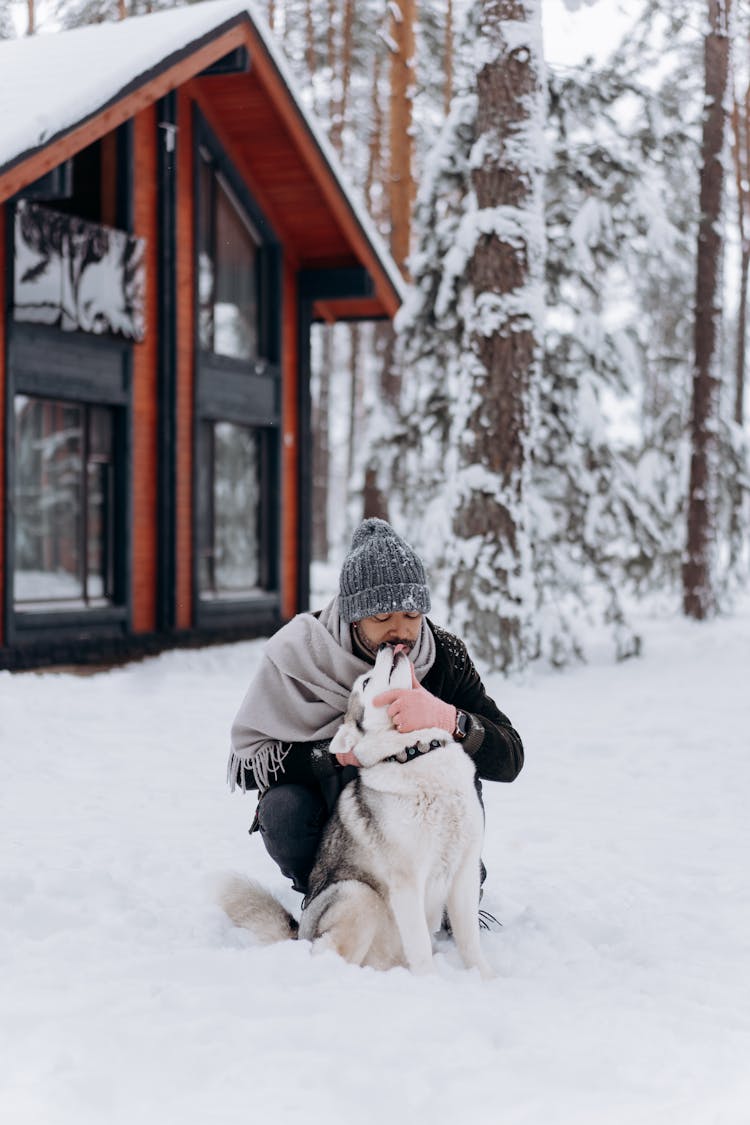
77,275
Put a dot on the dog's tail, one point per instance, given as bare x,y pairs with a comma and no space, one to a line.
251,906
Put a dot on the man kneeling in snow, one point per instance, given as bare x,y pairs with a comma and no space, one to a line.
298,698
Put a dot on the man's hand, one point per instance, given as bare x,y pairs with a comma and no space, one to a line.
415,708
348,759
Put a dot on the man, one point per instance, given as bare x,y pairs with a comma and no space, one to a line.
299,696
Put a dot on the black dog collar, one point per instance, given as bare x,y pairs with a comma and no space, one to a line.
409,753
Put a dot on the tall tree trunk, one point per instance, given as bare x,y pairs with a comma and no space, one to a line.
699,598
739,388
388,392
374,502
401,179
322,417
331,53
448,64
374,498
321,451
340,104
489,587
309,39
355,401
741,153
375,148
31,17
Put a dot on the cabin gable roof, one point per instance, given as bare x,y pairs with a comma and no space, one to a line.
62,91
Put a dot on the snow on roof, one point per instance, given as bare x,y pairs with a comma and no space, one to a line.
49,83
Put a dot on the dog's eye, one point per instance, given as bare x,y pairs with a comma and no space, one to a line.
365,683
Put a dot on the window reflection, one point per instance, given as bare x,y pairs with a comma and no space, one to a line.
227,271
231,510
64,503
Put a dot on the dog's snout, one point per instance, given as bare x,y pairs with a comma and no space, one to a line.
382,645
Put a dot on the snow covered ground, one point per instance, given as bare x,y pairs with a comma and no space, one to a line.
618,863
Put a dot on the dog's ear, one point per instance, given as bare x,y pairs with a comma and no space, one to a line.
355,713
345,739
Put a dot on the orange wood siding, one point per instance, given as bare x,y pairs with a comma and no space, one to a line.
289,446
185,364
145,364
3,498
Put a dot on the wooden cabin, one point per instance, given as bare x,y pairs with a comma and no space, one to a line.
172,223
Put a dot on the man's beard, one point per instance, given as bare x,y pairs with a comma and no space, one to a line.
372,648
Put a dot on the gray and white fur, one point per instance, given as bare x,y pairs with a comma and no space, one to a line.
402,845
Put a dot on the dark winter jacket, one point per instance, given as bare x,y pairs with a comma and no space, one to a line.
491,741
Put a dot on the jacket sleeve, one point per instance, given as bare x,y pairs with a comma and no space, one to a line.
304,763
491,741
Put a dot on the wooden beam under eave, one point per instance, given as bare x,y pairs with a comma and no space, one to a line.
43,159
323,312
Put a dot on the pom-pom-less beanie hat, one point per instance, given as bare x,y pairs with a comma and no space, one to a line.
381,574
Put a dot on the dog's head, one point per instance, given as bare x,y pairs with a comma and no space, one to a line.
390,671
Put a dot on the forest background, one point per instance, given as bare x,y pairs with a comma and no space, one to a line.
557,420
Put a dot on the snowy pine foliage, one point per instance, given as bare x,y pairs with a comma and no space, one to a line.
611,467
461,463
7,29
606,491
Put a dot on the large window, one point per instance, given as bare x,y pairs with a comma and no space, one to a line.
233,551
238,395
63,504
227,269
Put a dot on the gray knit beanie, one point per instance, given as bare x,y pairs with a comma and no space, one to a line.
381,574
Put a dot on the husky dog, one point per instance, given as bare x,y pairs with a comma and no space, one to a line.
402,845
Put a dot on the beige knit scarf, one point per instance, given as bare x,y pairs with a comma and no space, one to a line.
301,690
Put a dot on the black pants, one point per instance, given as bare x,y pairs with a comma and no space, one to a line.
291,819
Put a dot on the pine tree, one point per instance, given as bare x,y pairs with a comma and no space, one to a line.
619,234
472,339
741,156
77,13
700,596
7,27
600,512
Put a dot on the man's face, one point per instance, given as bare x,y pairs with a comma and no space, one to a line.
389,628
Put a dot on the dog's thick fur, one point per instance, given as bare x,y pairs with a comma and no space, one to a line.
403,845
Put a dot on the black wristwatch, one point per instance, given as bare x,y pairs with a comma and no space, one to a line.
462,726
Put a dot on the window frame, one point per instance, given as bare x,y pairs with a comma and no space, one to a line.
245,392
206,454
87,600
77,367
219,183
87,371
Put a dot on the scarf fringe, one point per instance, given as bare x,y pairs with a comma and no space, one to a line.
265,762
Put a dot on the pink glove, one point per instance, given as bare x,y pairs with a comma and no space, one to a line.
415,708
